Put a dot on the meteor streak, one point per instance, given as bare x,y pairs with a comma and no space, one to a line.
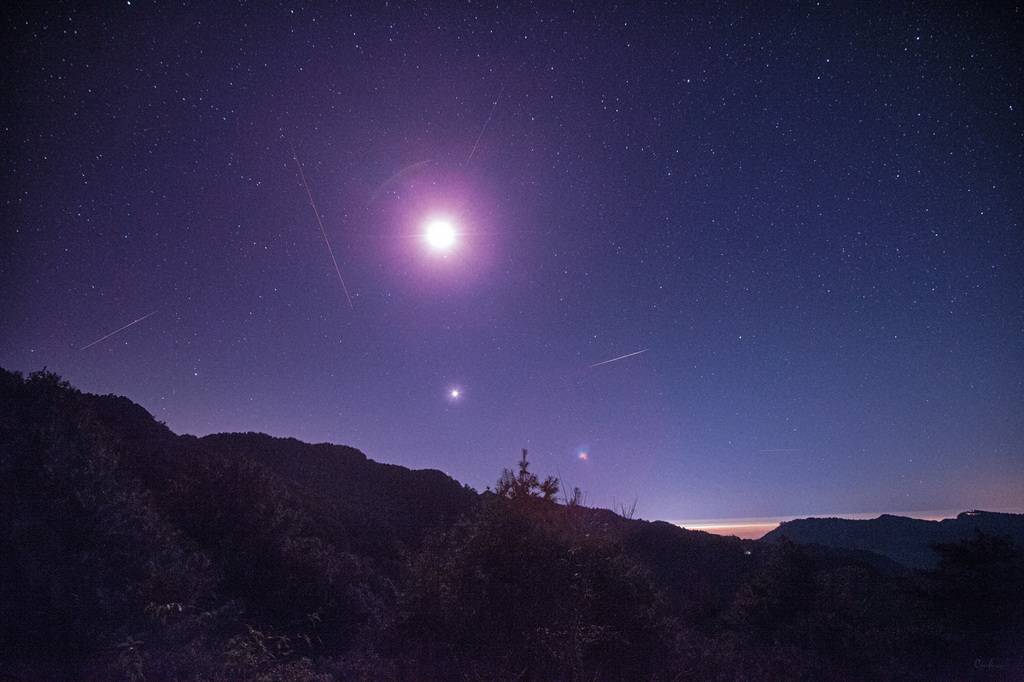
323,232
621,357
116,331
484,129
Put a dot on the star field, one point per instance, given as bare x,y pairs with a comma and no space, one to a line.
808,216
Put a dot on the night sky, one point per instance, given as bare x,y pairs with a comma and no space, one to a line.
808,215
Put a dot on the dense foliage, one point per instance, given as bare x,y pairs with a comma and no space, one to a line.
131,553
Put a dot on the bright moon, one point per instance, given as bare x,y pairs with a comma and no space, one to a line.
440,234
455,393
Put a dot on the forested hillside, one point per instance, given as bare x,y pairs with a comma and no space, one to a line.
133,553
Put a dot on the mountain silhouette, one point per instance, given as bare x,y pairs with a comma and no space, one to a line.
907,541
131,552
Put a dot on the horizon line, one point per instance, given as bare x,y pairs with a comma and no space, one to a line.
746,526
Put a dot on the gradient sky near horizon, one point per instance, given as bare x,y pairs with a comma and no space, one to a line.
807,215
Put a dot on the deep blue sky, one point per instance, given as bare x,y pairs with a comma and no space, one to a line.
809,214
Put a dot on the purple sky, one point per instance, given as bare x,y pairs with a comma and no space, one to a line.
809,216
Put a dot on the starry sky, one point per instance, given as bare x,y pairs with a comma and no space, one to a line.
807,215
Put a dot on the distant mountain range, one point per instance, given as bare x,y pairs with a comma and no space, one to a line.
907,541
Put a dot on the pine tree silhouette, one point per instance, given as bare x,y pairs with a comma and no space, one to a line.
525,484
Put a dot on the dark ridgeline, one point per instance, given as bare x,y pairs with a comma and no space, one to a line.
129,552
910,542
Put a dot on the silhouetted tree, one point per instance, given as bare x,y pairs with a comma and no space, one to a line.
525,484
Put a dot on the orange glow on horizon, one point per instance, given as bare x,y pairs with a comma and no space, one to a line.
755,528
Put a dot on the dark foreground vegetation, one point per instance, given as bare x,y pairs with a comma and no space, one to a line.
130,553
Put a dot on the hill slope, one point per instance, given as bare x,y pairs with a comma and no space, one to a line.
132,553
906,541
112,524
